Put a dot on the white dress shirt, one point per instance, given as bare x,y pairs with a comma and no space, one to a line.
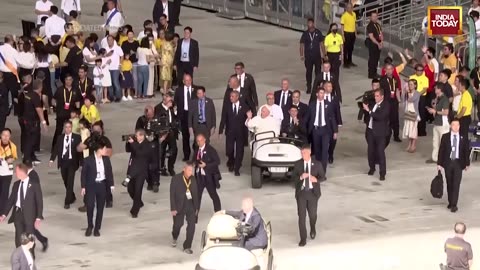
54,26
69,5
200,170
241,79
169,113
186,89
115,57
236,105
284,98
141,35
457,146
370,124
28,255
275,111
309,164
26,60
10,55
248,215
326,76
25,186
41,5
67,146
100,169
320,106
165,9
185,50
116,21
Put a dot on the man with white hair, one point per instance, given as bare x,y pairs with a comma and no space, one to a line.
258,238
263,123
274,109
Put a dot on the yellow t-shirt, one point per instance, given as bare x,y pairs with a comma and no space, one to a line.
126,65
333,43
158,44
422,82
122,39
467,102
400,68
90,113
349,22
450,63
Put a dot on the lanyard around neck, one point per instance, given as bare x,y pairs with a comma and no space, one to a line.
65,96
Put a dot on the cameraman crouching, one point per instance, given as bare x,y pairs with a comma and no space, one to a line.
144,122
168,116
140,158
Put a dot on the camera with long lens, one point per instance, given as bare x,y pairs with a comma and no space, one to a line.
10,165
127,137
368,98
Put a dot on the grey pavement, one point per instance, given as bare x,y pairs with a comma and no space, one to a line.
363,223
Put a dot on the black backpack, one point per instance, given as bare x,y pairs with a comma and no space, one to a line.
436,188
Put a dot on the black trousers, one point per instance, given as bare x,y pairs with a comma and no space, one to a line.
321,140
60,121
331,147
348,47
206,181
32,132
23,225
310,62
465,122
453,175
376,151
394,118
187,150
422,124
184,68
335,62
177,4
153,177
3,116
23,134
187,213
5,181
135,188
373,58
235,148
307,202
68,175
95,195
171,142
12,84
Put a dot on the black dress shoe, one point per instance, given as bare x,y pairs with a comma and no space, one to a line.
453,209
371,172
45,246
313,234
230,168
155,188
109,205
449,206
382,177
149,187
163,172
96,233
82,209
237,173
397,139
66,206
330,160
171,172
302,243
134,215
88,232
185,159
352,65
188,251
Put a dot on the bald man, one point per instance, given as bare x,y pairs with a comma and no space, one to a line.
459,252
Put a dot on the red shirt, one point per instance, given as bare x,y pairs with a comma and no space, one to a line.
431,77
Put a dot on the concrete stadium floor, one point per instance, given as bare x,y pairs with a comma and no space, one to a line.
363,223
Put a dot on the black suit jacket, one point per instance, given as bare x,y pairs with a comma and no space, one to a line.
380,123
161,112
33,203
158,11
278,95
178,190
58,150
302,111
292,130
336,110
319,80
141,155
233,123
315,170
89,172
250,88
84,89
245,97
330,121
179,99
212,161
194,52
446,149
194,113
387,87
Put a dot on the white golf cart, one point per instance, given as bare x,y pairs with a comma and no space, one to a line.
222,249
273,157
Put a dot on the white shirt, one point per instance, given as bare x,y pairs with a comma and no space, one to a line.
104,43
100,169
275,111
142,56
186,89
25,186
10,55
326,76
141,35
169,113
45,64
115,57
472,9
87,53
41,5
258,125
165,9
67,146
241,79
29,257
457,146
185,50
370,124
284,97
54,26
248,215
320,106
116,21
436,68
69,5
236,105
26,60
309,164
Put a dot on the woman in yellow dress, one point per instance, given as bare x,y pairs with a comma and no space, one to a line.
166,61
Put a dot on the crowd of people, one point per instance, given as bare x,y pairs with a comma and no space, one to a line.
58,69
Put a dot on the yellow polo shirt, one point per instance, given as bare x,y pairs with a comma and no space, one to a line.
333,43
122,39
450,63
467,102
90,113
349,22
422,82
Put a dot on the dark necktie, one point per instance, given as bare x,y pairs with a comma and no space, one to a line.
235,109
202,104
189,94
454,148
199,154
306,181
291,121
320,112
22,195
67,147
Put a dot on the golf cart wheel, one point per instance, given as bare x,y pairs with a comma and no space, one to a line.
270,260
256,177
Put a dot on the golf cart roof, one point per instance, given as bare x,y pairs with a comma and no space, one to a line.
227,258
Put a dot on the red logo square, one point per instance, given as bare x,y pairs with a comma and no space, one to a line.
444,21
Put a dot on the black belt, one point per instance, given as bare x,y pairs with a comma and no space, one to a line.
317,127
100,181
202,123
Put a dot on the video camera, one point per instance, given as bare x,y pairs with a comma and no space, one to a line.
159,126
127,137
368,98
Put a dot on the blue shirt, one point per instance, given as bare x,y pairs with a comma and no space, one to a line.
185,57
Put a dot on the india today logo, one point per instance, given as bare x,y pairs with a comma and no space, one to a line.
444,21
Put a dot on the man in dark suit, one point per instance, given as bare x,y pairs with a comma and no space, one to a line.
183,95
187,56
327,76
328,86
302,107
166,111
247,82
207,173
377,132
453,157
292,126
283,97
184,204
202,118
164,7
233,120
27,202
308,173
392,95
97,176
321,126
244,95
68,160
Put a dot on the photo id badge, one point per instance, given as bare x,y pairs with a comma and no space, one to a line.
453,148
189,195
84,94
184,55
66,106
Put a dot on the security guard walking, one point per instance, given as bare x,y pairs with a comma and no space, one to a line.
166,111
311,51
32,119
334,46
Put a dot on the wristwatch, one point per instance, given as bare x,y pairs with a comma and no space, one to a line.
44,122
